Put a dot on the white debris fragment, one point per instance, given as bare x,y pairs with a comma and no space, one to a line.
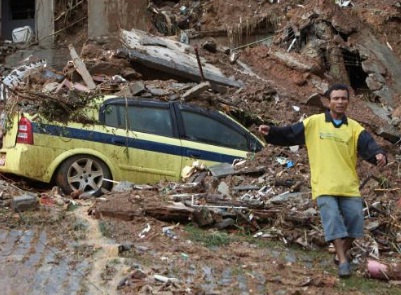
143,233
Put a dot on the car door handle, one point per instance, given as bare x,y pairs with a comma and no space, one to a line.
194,154
117,141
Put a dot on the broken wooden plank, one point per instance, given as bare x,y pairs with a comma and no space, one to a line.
217,200
171,57
177,212
121,215
248,187
81,68
198,177
186,196
225,169
266,214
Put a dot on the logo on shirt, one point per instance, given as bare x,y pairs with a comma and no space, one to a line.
333,137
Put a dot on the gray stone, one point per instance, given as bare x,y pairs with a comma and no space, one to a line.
123,186
389,133
222,169
285,197
373,66
379,111
136,88
196,91
385,94
223,189
227,222
395,121
138,274
375,81
25,202
158,91
202,217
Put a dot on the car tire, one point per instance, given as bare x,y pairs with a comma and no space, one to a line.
83,173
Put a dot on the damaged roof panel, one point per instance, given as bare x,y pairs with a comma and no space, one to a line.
171,57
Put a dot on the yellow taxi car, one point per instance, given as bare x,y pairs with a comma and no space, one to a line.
136,140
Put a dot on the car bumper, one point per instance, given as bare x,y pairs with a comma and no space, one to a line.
25,160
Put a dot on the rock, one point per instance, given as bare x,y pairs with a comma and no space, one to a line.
25,202
386,95
298,80
196,91
125,247
158,91
202,217
210,45
130,74
223,189
138,274
91,51
137,88
123,186
225,223
50,87
373,66
373,82
108,68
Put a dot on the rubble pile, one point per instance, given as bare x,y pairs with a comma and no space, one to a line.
275,196
267,195
56,95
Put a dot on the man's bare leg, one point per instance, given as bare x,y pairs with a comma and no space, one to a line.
339,247
346,244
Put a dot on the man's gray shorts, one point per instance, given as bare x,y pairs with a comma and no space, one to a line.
341,217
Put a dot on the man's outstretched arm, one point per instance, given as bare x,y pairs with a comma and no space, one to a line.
284,136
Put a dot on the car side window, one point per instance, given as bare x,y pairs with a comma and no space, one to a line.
113,116
205,129
146,119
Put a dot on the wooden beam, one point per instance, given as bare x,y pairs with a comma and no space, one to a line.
81,68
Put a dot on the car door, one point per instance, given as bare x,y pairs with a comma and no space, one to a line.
210,137
145,136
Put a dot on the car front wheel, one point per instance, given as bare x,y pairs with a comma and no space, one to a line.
84,173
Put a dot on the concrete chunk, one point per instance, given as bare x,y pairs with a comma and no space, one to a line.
25,202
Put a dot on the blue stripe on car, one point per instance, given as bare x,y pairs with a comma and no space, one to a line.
75,133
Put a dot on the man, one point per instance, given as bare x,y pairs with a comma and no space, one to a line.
333,142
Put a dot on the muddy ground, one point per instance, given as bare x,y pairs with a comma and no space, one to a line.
127,250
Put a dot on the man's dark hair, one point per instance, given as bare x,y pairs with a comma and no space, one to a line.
336,87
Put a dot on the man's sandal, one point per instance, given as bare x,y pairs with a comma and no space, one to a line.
337,262
344,270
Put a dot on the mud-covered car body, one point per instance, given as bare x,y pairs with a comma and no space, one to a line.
136,140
